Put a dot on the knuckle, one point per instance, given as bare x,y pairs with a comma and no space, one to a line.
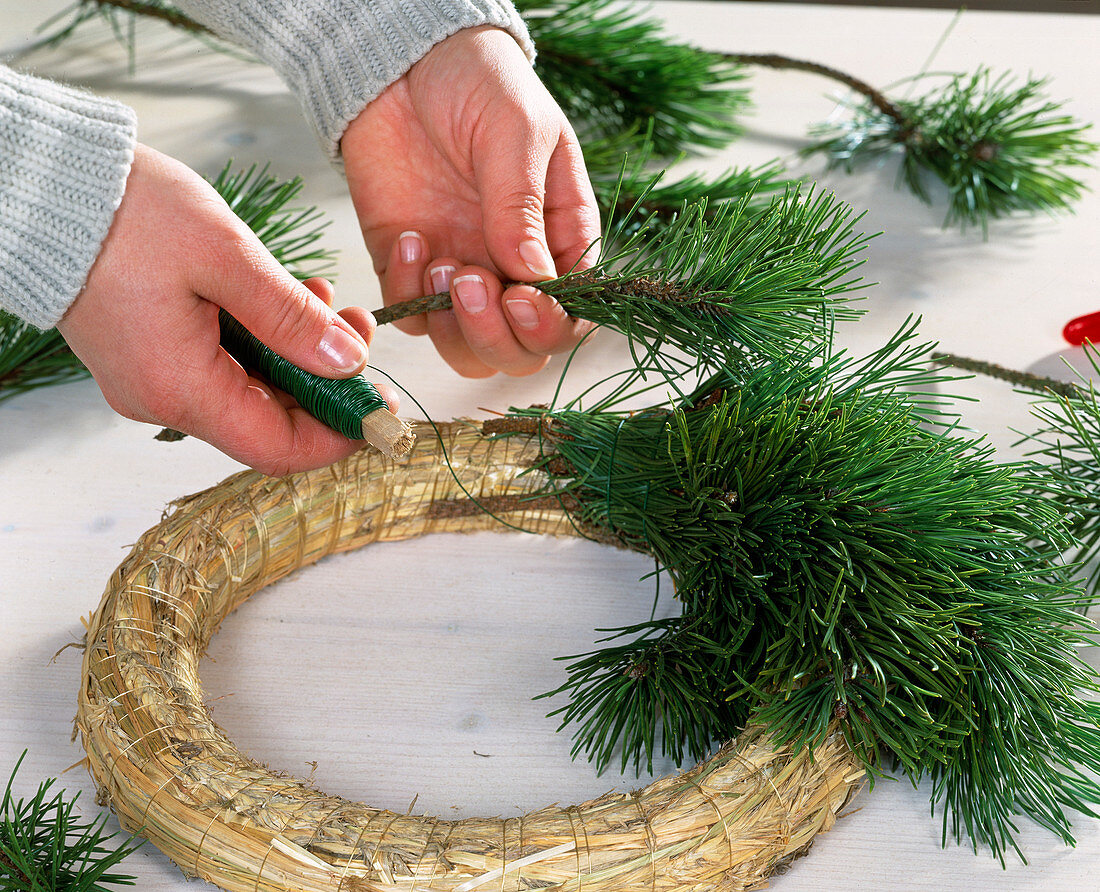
292,321
221,247
525,203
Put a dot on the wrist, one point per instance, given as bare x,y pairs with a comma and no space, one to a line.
478,41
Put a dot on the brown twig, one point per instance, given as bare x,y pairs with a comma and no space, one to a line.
639,286
15,872
151,10
1025,380
875,96
412,307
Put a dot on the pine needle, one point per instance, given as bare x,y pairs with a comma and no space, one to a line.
614,71
31,358
838,561
46,847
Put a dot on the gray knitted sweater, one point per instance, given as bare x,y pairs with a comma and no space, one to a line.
65,155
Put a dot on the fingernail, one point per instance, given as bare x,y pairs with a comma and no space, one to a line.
410,245
471,293
523,313
341,351
441,278
537,259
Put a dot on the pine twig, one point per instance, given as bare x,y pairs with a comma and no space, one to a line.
719,285
153,10
426,304
873,95
1068,438
614,70
998,148
1023,380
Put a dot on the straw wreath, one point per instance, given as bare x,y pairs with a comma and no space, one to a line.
172,775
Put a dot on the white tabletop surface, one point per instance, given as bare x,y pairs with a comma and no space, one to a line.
429,694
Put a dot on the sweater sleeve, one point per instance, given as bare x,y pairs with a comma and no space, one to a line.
64,159
338,55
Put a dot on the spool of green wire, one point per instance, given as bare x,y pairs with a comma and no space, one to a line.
351,406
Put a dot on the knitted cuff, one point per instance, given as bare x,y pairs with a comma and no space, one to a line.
66,155
338,55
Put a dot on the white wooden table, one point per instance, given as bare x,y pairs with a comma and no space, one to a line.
429,694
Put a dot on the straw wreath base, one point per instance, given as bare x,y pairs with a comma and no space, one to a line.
172,775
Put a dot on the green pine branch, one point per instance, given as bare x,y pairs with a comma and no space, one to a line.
838,564
719,284
630,188
614,71
997,147
45,845
1067,438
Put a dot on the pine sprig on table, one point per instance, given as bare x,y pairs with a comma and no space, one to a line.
614,71
121,16
997,147
45,846
838,565
31,358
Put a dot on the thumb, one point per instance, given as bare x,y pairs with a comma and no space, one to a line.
286,316
512,185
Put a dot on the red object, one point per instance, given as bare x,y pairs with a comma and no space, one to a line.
1083,328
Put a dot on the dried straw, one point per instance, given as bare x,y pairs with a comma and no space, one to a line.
171,774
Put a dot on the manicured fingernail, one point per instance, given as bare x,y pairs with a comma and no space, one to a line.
537,259
410,245
441,278
341,351
523,313
471,293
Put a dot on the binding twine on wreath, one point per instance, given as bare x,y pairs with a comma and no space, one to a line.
171,775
